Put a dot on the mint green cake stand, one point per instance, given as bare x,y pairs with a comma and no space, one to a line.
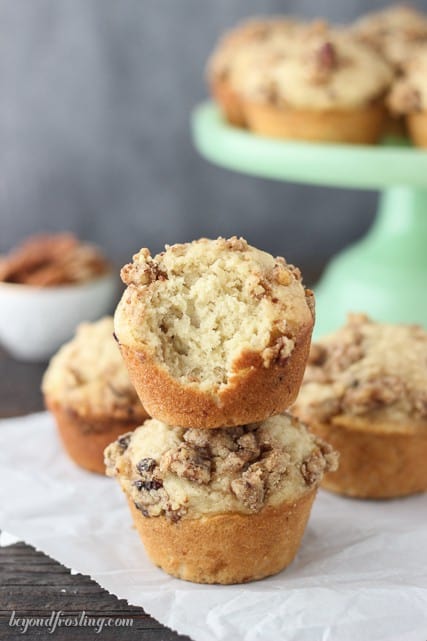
384,274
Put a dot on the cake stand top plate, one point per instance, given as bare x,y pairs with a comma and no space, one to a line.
362,166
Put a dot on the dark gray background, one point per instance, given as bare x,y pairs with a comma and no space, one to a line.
95,100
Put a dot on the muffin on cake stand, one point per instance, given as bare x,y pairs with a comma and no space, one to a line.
383,274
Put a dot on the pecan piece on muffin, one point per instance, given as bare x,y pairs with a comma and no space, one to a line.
365,392
215,333
88,391
221,506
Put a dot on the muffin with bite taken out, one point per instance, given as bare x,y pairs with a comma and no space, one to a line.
215,333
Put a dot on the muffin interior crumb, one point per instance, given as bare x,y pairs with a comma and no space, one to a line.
205,313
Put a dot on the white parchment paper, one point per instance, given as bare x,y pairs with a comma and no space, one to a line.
360,575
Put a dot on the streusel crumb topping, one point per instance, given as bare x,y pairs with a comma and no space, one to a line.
324,69
395,32
253,43
367,370
175,472
88,375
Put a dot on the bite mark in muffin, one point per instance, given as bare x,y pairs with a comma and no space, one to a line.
202,324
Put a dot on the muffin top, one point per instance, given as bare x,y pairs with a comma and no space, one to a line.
367,373
327,69
88,376
176,472
253,42
206,310
393,31
409,93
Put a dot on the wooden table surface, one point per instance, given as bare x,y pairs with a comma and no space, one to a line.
34,585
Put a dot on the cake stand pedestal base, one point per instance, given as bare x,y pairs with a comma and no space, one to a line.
385,272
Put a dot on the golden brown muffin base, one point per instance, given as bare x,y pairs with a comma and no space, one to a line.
226,548
229,101
417,126
253,395
85,439
355,126
375,464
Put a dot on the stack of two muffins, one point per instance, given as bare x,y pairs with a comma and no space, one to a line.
215,335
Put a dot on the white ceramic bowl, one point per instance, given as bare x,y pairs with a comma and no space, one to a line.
36,321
